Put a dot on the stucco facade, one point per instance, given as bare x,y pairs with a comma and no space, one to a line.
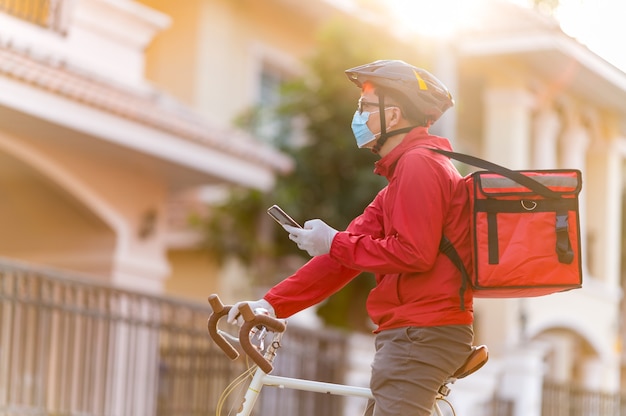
95,155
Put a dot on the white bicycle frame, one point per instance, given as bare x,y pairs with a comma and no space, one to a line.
261,379
262,376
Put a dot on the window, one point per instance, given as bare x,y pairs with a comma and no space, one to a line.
271,126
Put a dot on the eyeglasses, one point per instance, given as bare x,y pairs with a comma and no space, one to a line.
362,104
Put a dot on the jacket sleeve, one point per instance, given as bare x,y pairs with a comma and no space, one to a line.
415,207
312,283
323,276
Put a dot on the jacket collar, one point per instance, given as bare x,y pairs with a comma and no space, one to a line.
419,136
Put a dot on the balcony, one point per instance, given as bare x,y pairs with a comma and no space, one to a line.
49,14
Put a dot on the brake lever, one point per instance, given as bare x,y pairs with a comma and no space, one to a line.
251,320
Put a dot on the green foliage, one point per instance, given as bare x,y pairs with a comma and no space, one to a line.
233,226
332,180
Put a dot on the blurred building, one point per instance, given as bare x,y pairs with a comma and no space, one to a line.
95,157
116,123
532,97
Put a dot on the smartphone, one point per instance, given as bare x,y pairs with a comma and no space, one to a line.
281,216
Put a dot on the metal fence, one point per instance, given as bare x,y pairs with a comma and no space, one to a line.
72,347
499,407
569,400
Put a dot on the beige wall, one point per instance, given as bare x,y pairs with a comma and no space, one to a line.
78,205
171,58
43,223
210,58
193,275
211,55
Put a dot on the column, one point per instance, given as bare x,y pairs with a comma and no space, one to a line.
573,154
574,143
562,356
522,380
603,188
133,351
601,373
140,257
507,126
546,127
359,361
470,396
446,71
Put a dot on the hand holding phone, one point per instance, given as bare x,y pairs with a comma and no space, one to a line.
281,216
315,240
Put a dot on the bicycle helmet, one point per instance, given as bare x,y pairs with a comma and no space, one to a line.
422,93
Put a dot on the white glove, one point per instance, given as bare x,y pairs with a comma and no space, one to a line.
316,237
260,306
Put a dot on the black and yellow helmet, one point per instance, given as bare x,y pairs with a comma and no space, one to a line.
422,91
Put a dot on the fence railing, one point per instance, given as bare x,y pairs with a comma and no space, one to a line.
569,400
50,14
72,347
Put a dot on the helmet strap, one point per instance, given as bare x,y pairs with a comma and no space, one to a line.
384,135
383,128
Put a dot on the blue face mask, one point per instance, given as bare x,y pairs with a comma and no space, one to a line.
362,133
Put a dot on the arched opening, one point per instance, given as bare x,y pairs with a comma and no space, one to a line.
568,356
43,223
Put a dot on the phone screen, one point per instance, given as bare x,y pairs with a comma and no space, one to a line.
281,216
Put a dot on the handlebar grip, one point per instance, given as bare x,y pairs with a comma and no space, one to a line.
215,303
251,321
219,310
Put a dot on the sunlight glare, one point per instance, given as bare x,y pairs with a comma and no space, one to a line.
430,18
599,24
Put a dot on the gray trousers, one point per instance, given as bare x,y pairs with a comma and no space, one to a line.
411,363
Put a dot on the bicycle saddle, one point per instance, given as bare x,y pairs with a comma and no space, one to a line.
477,358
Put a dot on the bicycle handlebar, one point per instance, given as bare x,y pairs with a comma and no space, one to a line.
219,310
251,320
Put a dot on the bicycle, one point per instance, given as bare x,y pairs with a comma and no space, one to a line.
261,326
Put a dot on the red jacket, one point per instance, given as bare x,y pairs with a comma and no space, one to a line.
397,237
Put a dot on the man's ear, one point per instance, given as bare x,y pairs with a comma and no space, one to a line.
395,118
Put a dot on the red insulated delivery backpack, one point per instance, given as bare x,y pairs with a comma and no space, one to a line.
524,230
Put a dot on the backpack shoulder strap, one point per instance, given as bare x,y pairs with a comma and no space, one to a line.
446,247
521,179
